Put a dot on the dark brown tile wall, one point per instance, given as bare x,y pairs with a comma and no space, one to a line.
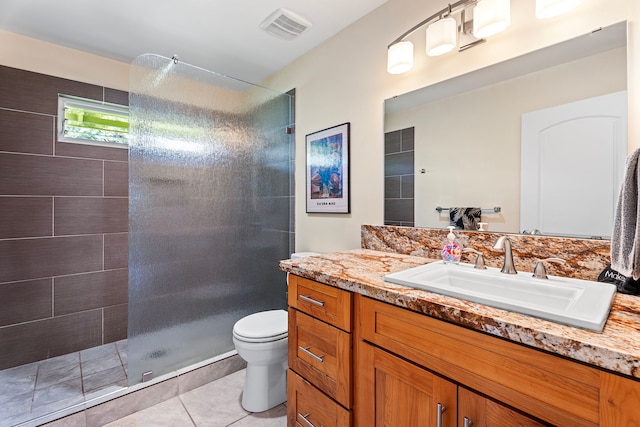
63,226
399,178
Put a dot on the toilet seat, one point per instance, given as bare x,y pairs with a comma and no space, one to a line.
265,326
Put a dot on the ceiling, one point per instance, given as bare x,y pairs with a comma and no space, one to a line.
219,35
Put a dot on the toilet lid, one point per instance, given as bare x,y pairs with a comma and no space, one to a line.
263,326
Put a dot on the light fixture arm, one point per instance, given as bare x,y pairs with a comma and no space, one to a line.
451,8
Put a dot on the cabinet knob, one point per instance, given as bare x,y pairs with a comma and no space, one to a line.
468,422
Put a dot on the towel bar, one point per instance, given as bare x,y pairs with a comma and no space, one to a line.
489,210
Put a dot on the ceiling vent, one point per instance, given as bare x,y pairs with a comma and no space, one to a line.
285,24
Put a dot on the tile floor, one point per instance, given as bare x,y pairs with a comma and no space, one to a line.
216,404
40,388
31,391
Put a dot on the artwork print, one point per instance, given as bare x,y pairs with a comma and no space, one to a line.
328,170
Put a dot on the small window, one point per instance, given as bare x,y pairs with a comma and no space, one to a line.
86,121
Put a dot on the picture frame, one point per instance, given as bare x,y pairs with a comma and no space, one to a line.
327,171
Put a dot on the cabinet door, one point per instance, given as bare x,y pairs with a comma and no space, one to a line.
478,411
392,392
619,401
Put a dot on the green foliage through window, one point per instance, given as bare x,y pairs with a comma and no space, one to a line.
89,121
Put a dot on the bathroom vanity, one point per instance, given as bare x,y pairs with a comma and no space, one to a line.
365,352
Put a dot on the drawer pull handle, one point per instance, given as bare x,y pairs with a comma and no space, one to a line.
304,418
311,300
315,356
440,411
468,422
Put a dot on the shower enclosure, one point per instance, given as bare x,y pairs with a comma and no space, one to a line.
210,214
210,187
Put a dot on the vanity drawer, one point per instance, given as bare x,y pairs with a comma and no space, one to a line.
329,304
321,354
305,402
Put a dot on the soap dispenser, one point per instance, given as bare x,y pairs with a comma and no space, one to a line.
451,252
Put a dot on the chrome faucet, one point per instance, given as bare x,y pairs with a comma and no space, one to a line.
504,244
540,272
479,259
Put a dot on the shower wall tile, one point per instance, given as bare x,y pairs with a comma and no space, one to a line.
275,212
24,259
87,291
90,215
33,341
87,186
393,142
116,321
24,132
274,180
398,164
26,217
398,210
392,188
70,149
399,178
116,251
407,184
12,296
116,179
49,176
115,96
408,139
29,91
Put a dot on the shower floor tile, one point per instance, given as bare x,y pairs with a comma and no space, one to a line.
40,388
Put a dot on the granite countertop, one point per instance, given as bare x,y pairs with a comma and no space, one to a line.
616,348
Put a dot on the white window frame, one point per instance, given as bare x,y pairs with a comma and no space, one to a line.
103,140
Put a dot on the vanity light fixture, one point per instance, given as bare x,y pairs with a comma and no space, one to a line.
464,23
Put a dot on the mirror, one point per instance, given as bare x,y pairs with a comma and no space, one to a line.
467,130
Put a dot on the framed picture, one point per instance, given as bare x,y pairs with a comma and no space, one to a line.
328,170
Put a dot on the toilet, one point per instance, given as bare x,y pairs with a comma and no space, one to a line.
261,340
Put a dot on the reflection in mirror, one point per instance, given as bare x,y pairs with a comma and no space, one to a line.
467,129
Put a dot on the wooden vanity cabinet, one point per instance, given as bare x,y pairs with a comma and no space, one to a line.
357,361
319,382
545,389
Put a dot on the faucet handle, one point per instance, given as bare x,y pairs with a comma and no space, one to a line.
479,259
540,272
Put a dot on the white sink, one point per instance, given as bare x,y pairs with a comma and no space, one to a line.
574,302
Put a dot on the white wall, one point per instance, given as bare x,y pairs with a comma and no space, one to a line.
29,54
345,79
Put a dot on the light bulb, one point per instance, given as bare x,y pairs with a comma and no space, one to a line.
441,36
491,17
400,57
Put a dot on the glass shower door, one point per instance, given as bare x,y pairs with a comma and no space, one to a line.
210,169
